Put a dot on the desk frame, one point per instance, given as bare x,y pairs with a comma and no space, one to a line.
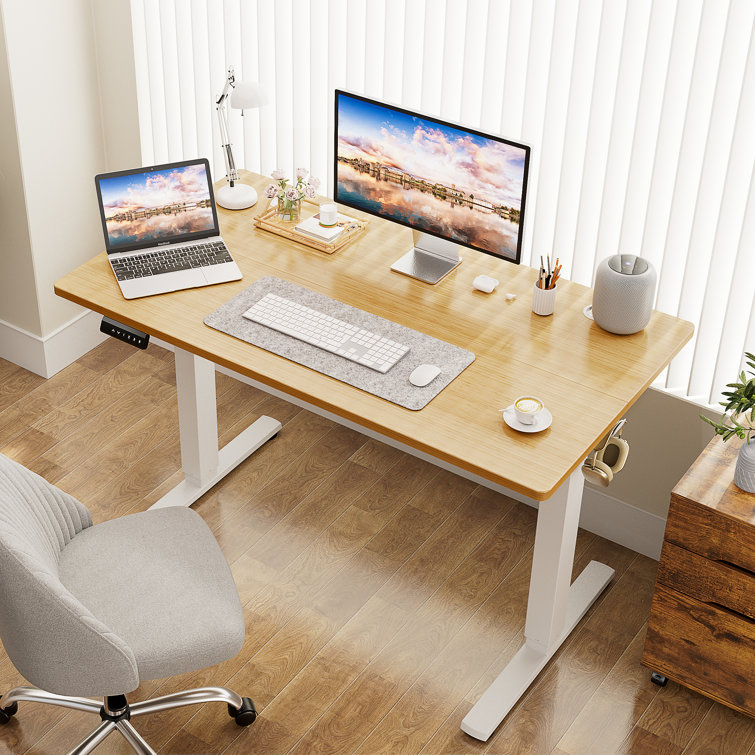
554,606
204,464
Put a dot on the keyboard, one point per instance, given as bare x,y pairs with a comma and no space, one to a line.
170,260
326,332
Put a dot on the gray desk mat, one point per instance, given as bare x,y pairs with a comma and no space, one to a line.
393,386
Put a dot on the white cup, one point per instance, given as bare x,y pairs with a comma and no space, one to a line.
328,215
527,408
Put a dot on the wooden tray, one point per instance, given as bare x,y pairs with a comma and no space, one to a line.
268,221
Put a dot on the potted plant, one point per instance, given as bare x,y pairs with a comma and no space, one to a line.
737,419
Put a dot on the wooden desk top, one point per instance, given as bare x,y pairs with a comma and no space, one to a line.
586,377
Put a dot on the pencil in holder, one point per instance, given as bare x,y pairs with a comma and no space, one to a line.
543,300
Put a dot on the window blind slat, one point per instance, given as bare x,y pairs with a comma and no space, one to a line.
623,119
738,330
723,255
393,50
554,128
646,127
267,65
156,83
473,63
141,66
204,106
675,95
575,133
414,44
452,68
432,67
318,86
251,73
300,85
374,48
712,178
494,66
689,166
598,134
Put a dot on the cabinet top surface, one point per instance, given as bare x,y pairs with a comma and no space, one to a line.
710,482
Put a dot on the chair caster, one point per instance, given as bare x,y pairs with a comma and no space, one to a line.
245,715
6,713
658,679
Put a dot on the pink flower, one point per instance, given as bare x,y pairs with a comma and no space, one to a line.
314,182
310,191
292,194
278,174
270,191
301,173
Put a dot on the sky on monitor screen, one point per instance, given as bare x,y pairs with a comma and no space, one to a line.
140,192
432,151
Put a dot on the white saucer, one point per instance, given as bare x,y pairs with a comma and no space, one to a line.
543,420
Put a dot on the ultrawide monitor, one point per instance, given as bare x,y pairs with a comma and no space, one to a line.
456,184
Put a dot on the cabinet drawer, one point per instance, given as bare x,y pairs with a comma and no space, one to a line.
710,533
708,581
704,647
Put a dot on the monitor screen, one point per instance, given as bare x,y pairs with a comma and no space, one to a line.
455,183
147,206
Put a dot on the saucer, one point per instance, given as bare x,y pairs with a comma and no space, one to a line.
543,420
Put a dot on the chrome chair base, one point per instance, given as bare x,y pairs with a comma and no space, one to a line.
117,717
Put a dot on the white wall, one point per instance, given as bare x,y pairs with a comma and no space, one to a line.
62,62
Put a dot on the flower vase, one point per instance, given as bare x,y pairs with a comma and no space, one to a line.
289,210
744,471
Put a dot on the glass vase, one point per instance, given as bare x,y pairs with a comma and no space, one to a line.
289,210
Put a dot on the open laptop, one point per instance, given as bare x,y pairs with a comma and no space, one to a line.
161,229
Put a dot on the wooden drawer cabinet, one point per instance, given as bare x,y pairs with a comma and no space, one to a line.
701,631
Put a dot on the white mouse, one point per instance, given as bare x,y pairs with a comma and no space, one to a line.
485,283
424,374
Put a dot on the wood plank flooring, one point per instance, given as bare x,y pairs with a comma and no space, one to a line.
382,594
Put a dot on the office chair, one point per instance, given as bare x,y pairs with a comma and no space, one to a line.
95,610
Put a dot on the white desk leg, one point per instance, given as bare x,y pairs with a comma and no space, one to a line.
554,607
203,464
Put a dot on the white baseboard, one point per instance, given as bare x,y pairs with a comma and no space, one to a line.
50,354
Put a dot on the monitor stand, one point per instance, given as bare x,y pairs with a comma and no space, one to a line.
431,260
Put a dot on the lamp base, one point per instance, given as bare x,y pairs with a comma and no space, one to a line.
236,197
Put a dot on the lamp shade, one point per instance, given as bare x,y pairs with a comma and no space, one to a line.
246,94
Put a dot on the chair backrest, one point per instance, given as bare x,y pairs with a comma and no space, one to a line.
50,636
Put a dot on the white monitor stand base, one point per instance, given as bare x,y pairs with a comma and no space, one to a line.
431,260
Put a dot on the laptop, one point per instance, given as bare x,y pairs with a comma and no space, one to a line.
161,229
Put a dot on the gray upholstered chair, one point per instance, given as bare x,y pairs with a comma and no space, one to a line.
95,610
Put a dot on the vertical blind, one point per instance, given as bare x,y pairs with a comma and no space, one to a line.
640,115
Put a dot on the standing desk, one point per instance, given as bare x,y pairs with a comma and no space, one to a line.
586,377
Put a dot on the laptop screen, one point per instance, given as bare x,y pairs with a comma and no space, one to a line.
147,207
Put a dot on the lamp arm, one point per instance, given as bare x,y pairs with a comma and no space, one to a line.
222,108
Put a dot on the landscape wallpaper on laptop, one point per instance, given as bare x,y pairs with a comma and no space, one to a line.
151,206
437,178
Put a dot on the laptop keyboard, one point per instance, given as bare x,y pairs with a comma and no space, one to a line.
170,260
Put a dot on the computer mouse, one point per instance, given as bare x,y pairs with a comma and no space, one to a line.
424,374
485,283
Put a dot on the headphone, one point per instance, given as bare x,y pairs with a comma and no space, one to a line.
603,463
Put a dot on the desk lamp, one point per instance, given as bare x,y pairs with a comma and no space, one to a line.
235,196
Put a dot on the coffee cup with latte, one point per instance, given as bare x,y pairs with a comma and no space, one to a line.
527,409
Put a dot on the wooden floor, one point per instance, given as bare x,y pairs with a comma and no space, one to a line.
381,594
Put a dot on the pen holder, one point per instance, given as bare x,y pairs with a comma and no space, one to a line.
543,300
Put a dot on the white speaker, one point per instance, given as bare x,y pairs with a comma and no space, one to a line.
622,300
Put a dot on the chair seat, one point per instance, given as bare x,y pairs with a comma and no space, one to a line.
159,581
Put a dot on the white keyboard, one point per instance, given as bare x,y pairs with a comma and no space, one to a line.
326,332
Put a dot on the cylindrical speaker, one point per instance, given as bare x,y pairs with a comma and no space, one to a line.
622,300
